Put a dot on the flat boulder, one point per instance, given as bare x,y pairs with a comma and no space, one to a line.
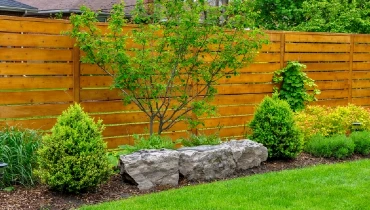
246,153
206,162
150,168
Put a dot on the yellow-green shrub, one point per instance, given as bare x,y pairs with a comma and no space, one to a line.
329,121
73,157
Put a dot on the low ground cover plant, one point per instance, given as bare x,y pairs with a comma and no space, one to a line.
152,142
18,149
337,146
329,121
73,157
273,125
201,139
362,142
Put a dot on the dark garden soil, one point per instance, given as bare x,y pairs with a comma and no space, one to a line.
40,197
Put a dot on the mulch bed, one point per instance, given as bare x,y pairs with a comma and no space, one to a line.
40,197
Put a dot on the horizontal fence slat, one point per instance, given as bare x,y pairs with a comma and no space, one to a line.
108,106
35,82
36,124
328,75
230,132
227,121
357,93
317,38
35,68
35,40
313,47
330,85
38,27
36,97
361,57
360,83
338,102
100,94
238,99
236,110
361,75
333,94
361,101
29,111
327,66
360,66
316,57
361,38
33,54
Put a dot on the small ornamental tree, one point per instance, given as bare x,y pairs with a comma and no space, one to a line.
73,158
169,63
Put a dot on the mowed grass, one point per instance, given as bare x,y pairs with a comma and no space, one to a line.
338,186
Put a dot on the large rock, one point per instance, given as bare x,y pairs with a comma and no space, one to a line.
247,153
149,168
206,162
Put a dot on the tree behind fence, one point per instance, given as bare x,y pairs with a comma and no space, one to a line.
40,76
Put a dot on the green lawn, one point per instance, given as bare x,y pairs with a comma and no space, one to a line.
339,186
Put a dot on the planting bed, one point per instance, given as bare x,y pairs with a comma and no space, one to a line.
40,197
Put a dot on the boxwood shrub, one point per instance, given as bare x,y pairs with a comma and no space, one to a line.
273,125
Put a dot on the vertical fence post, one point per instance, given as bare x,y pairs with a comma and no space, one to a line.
76,74
282,49
352,45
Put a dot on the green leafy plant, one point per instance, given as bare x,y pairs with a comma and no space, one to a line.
329,121
151,142
273,125
73,157
294,83
337,146
338,16
362,142
169,63
18,149
278,14
202,139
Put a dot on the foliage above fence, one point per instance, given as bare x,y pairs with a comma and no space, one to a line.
40,76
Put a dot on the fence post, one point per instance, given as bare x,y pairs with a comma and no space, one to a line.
282,49
76,74
350,68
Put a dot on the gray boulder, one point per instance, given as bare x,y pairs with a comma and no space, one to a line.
247,153
149,168
206,162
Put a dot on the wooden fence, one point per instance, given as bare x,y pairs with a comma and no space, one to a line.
40,76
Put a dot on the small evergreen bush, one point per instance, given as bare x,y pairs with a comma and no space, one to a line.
152,142
18,149
362,142
197,140
273,125
73,157
337,146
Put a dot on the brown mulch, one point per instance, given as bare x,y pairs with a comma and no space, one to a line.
39,197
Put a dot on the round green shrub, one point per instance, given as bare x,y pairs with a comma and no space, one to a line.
273,125
362,142
73,158
337,146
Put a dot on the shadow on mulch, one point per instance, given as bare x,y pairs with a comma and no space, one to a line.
39,197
